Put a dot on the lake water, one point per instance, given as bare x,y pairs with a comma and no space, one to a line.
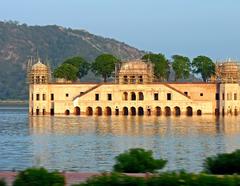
89,144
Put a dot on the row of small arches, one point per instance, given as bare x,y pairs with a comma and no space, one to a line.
133,111
133,96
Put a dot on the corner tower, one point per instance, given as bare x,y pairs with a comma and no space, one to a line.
39,76
38,73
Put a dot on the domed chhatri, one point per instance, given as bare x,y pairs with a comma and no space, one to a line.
39,66
134,72
228,72
39,73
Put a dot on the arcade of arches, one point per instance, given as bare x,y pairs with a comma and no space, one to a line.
134,111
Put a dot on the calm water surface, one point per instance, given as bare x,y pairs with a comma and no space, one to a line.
91,143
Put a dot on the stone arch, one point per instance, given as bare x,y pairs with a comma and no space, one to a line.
37,111
140,111
98,111
217,112
199,112
77,111
89,111
149,112
133,96
133,111
177,111
189,111
167,111
67,112
235,111
223,111
125,96
140,96
116,111
52,112
125,111
108,111
158,111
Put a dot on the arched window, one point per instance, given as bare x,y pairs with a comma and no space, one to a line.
199,112
167,111
149,112
140,96
125,96
125,111
133,96
89,111
140,111
108,111
177,111
133,111
67,112
125,79
99,111
189,111
77,111
158,111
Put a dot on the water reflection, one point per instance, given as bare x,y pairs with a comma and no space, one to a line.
184,141
91,143
135,126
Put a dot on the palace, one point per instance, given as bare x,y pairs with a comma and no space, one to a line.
134,92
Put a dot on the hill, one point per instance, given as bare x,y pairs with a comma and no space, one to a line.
54,43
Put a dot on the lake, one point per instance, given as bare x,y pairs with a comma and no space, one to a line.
89,144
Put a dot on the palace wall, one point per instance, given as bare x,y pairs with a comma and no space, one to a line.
155,98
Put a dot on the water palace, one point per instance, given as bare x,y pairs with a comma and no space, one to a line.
134,92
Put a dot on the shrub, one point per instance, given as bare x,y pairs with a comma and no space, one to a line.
163,179
113,179
137,161
38,177
223,163
186,179
2,182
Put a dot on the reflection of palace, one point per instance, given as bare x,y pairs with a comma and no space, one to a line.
134,93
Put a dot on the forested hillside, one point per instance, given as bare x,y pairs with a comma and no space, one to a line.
53,43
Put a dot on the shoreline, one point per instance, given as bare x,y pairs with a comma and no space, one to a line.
13,102
71,177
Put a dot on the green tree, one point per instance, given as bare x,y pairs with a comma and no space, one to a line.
161,65
104,65
181,66
66,71
227,163
137,161
39,177
203,65
2,182
81,64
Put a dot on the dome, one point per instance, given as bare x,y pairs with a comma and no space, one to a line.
39,66
230,67
135,71
136,66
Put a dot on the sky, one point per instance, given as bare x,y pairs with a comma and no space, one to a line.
185,27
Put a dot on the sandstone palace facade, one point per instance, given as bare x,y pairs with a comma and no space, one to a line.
134,92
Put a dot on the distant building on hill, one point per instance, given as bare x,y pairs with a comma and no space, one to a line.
134,93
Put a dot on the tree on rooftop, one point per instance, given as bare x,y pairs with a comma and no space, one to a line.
66,71
104,65
203,65
181,66
161,65
81,64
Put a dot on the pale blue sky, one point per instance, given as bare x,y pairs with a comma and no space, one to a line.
189,27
